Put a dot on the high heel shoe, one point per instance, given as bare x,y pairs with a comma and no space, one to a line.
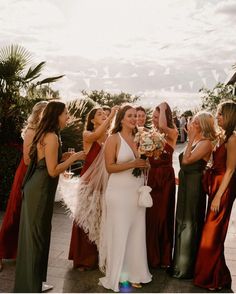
215,289
46,287
136,285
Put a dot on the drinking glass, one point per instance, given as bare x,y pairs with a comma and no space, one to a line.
70,150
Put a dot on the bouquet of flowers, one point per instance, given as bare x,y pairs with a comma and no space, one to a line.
149,143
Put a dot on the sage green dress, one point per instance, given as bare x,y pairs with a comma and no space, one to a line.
190,215
39,190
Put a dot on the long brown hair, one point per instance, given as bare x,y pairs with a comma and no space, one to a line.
119,116
49,123
228,110
169,117
89,126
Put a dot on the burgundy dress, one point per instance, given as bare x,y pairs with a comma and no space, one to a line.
211,270
82,251
11,221
160,217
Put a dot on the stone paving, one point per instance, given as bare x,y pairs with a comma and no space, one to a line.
66,279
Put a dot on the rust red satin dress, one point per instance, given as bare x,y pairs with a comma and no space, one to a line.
82,251
211,270
11,221
160,217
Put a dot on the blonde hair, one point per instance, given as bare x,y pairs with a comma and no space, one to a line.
34,118
207,124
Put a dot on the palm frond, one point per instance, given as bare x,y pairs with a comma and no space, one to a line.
35,72
15,52
49,80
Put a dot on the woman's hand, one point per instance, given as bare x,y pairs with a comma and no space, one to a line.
141,163
215,204
66,155
78,156
192,132
163,106
114,110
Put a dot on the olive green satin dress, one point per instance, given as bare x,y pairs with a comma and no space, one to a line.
190,214
39,190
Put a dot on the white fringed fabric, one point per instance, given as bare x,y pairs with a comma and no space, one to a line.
84,199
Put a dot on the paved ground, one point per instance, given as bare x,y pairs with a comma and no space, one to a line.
66,279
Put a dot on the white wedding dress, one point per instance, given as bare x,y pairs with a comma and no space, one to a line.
124,229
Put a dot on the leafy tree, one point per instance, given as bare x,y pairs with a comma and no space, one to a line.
42,91
220,93
105,98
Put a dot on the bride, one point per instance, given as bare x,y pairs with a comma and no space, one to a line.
124,229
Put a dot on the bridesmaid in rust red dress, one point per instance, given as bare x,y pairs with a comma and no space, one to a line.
84,253
211,270
10,225
160,217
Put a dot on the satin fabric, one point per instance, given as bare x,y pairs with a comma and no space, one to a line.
190,215
39,190
82,251
211,270
160,217
11,221
124,230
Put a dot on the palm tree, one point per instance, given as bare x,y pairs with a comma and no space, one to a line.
72,134
17,80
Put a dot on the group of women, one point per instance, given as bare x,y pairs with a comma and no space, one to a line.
132,238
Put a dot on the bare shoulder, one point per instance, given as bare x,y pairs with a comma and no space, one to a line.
50,138
206,143
231,142
86,133
112,139
29,132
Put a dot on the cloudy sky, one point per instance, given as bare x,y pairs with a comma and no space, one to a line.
159,50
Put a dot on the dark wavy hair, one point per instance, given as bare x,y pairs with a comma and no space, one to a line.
49,123
89,126
140,108
228,110
119,116
169,117
105,107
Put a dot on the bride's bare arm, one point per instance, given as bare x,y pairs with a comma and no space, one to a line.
110,157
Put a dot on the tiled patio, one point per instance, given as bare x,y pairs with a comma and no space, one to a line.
66,279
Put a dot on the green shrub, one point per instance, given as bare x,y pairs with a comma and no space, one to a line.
10,155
